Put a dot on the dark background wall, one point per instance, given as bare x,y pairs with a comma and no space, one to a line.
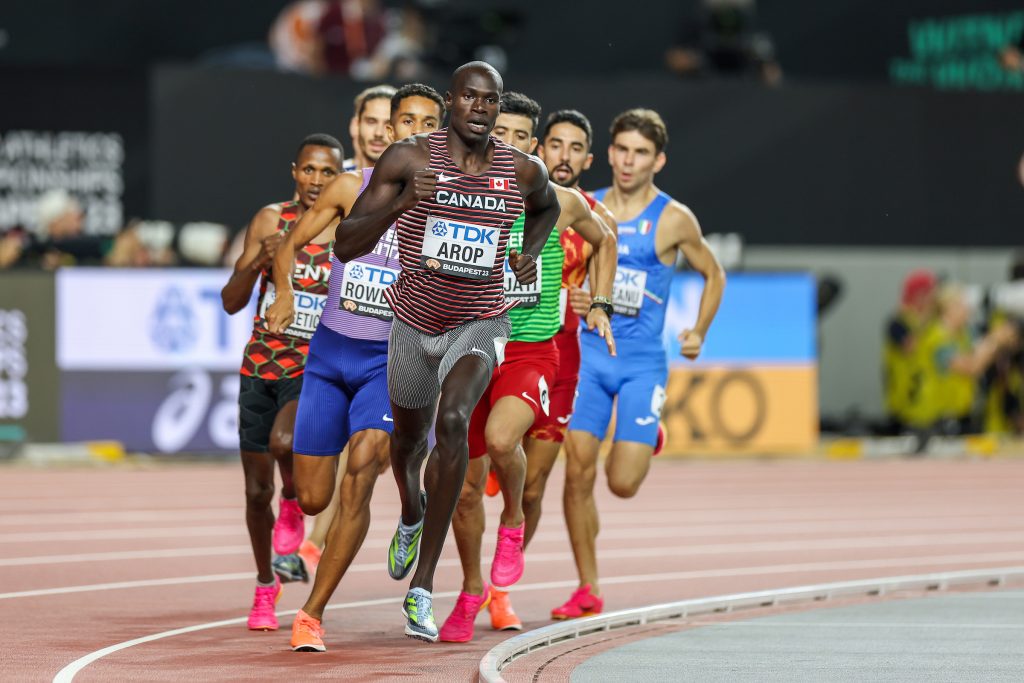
849,39
793,165
833,156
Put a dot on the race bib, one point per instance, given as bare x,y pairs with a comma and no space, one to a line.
362,290
459,249
528,296
628,293
545,395
308,308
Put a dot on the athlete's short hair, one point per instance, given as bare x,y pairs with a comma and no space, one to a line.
416,90
320,140
647,122
376,92
571,116
520,104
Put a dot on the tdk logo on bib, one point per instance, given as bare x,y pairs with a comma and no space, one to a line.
308,309
628,278
379,276
460,249
313,303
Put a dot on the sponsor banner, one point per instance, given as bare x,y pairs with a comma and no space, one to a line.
764,319
163,412
147,320
741,410
28,374
754,389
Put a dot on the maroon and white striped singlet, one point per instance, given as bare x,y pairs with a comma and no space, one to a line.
452,246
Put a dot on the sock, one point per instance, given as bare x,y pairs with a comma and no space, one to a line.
265,585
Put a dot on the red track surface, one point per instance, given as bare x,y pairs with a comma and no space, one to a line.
695,529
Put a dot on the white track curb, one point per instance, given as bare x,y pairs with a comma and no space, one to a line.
508,651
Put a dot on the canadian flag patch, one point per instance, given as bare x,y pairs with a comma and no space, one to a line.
498,183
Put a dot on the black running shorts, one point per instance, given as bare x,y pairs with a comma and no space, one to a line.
259,401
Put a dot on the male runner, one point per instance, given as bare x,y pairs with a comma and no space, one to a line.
565,151
652,228
344,397
368,129
273,363
518,395
368,126
455,194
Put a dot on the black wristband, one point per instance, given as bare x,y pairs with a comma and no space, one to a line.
607,308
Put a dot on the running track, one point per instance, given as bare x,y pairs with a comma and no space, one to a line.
96,558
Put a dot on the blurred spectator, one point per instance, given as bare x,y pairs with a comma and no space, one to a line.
1012,56
202,243
350,32
59,240
400,54
950,361
902,334
721,38
1004,395
295,37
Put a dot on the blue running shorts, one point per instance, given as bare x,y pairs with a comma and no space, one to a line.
344,391
637,376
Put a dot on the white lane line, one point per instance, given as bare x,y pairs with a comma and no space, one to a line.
119,555
65,518
121,534
67,674
145,583
835,543
685,515
681,530
973,558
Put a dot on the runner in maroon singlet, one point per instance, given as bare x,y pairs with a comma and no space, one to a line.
454,195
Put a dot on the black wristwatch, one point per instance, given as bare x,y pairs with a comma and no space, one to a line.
604,306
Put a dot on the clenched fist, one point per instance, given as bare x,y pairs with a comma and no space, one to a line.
281,313
419,188
268,248
524,266
690,343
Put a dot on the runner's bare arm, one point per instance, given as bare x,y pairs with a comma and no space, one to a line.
579,298
335,201
400,180
685,231
261,243
541,209
595,231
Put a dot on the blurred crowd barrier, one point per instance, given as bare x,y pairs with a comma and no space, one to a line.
150,359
